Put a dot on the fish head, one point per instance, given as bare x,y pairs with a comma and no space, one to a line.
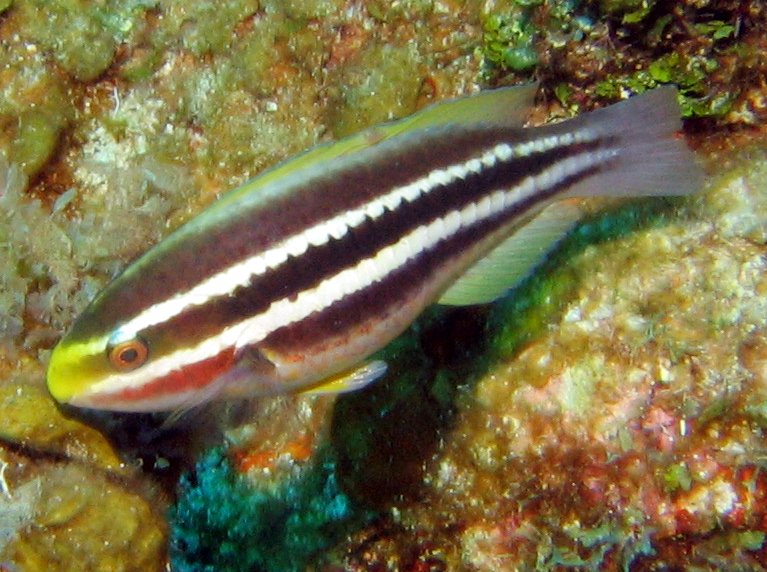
78,364
88,364
121,359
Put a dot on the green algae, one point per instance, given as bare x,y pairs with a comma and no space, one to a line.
690,74
717,29
677,477
387,11
271,527
34,112
630,11
518,35
750,539
305,9
254,58
695,71
75,32
509,42
703,53
208,27
35,141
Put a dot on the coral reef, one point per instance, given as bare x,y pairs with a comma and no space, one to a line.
608,414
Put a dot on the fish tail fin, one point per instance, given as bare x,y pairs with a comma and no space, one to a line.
652,156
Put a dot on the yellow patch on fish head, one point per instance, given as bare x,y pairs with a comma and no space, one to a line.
76,366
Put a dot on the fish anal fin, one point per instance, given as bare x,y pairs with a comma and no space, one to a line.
512,260
349,380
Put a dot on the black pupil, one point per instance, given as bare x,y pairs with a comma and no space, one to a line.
129,355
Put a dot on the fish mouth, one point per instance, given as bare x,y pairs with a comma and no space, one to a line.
63,393
66,391
69,376
108,402
58,380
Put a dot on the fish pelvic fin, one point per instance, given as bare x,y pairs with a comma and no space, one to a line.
349,380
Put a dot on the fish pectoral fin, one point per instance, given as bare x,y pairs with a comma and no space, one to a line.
255,359
174,417
349,380
251,375
512,260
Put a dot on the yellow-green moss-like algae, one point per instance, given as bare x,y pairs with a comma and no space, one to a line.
702,50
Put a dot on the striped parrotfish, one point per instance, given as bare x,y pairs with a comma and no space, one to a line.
290,282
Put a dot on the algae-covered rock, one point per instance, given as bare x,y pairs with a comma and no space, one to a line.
75,32
30,419
36,140
208,27
36,105
89,521
66,496
383,85
306,9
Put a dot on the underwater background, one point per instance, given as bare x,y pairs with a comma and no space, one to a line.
608,414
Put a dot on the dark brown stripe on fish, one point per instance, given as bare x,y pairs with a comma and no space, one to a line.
381,299
317,263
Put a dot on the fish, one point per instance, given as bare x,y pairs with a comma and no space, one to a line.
289,283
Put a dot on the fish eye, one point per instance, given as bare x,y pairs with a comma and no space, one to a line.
128,355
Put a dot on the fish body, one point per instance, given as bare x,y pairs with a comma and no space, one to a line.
291,281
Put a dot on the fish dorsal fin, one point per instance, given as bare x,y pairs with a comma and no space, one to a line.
507,106
512,260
